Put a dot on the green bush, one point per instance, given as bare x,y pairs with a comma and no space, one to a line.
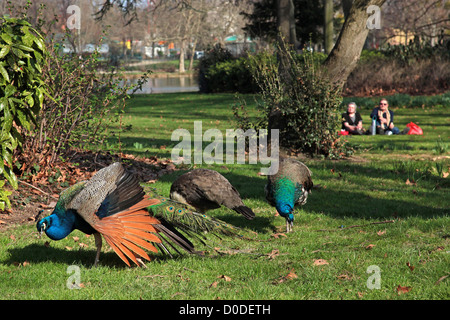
22,89
211,58
84,104
221,72
303,105
401,101
231,76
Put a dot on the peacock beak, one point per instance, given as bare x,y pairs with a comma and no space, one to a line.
42,229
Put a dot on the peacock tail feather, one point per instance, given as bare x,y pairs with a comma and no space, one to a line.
181,216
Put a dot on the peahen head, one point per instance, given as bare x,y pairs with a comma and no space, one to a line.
56,226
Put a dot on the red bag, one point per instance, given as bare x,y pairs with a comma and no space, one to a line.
414,128
343,133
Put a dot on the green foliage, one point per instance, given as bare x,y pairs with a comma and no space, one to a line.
85,102
441,147
231,76
371,55
402,101
418,50
301,103
22,89
212,57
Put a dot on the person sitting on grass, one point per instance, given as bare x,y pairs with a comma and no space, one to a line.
351,120
384,119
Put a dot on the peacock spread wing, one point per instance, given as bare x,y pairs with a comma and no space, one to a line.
114,203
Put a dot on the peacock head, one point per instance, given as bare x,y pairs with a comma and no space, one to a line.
286,210
54,227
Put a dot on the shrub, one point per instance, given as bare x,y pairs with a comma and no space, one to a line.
212,57
415,69
304,106
231,76
22,89
84,103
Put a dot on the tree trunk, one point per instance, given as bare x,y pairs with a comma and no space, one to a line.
182,50
286,21
328,29
286,39
191,61
346,52
346,6
286,35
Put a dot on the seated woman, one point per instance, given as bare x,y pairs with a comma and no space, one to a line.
384,119
351,120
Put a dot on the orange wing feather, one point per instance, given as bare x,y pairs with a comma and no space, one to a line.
129,231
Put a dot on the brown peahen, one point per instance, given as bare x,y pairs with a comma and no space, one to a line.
205,190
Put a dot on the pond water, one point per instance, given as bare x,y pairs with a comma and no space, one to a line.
168,84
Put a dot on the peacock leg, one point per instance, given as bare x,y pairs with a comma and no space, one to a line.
289,225
98,244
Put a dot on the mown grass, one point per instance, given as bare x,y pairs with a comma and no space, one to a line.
387,207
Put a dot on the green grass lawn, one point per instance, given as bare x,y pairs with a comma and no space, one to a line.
386,207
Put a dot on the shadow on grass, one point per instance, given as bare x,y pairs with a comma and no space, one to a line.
340,204
40,253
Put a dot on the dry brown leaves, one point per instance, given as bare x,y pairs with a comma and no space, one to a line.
290,276
402,290
40,189
320,262
222,277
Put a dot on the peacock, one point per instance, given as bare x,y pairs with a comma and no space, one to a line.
112,204
289,187
206,189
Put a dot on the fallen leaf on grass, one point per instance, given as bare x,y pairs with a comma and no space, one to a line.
411,267
440,279
275,253
226,278
344,276
320,262
402,290
277,235
380,233
370,246
410,183
291,275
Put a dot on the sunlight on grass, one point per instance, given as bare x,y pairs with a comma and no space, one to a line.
387,206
